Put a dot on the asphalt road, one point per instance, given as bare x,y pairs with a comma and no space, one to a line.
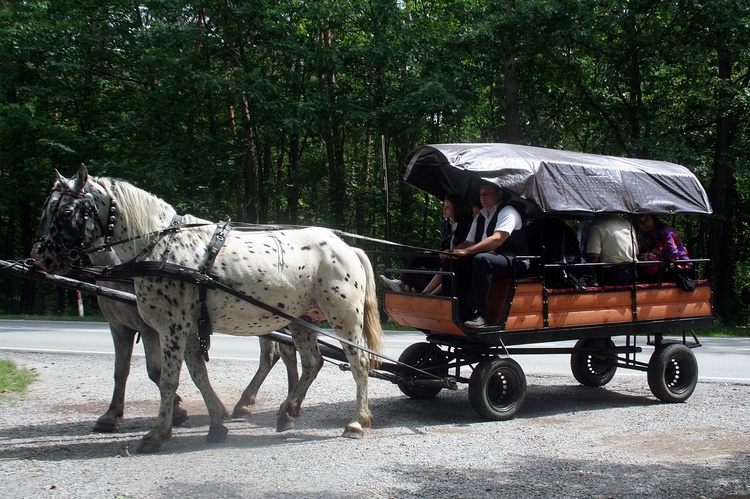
718,358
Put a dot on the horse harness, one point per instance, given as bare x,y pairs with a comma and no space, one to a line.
139,268
201,277
204,323
204,280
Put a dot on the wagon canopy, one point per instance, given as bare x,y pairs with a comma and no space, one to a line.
553,181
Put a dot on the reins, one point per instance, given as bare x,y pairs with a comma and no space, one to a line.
246,227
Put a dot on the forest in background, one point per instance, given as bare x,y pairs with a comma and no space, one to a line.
279,112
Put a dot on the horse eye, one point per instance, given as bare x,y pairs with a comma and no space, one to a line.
67,213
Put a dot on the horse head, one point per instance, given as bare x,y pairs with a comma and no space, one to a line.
70,223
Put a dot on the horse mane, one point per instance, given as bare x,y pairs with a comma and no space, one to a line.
142,206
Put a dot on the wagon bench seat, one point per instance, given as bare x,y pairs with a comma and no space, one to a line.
565,307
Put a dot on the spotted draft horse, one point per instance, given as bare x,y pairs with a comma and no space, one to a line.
287,269
125,322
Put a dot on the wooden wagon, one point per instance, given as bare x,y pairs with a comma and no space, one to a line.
610,323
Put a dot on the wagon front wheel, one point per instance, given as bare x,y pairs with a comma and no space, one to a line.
672,373
497,388
593,369
429,358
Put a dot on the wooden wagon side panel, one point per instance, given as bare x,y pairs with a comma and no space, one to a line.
526,311
565,309
585,309
673,302
432,313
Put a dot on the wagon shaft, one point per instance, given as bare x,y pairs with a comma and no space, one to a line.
21,270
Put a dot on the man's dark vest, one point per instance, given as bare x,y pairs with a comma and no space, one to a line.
516,244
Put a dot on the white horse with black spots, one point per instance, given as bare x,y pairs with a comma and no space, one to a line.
287,269
125,323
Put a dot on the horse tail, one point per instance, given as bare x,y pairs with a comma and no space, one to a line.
373,330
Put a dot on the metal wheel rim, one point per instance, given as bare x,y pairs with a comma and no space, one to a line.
502,388
597,365
676,377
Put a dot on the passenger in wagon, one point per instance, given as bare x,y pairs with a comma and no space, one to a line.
454,228
661,244
495,238
612,239
435,286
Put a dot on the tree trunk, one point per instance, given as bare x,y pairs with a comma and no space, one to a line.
245,163
265,176
512,128
334,139
722,192
293,196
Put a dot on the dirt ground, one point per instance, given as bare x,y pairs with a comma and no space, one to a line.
567,441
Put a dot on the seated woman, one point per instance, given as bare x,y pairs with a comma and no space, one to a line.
454,228
660,244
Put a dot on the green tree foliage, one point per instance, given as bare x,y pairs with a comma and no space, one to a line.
276,112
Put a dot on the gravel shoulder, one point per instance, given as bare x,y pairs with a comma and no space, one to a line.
567,441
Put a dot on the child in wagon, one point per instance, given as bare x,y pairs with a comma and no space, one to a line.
660,244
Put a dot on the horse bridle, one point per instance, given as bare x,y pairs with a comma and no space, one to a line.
89,210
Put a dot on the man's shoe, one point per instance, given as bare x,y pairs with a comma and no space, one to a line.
392,284
477,322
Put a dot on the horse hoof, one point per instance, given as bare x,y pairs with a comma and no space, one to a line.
105,426
149,446
240,412
217,434
353,431
179,416
284,425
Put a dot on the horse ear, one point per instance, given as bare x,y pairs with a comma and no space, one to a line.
81,178
60,178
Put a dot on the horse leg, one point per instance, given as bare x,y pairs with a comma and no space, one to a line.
217,432
173,353
152,349
289,357
123,342
359,364
269,355
306,341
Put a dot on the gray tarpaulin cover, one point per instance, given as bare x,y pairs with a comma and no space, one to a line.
553,181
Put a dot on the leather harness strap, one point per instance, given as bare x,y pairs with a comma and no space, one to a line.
204,323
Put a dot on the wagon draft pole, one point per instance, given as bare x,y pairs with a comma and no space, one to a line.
26,269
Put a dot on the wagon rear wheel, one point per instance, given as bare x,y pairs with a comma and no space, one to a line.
497,388
672,373
427,357
592,369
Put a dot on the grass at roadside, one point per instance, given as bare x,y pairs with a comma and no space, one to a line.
13,379
721,331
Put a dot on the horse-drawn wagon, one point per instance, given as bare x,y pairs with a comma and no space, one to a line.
191,275
528,310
